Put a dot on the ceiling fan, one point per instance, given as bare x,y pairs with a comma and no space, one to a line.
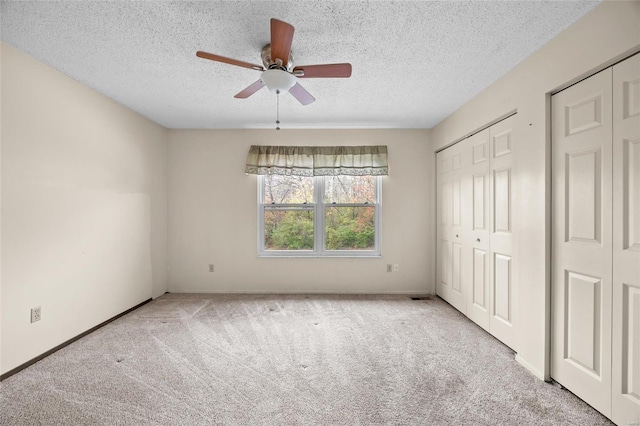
278,73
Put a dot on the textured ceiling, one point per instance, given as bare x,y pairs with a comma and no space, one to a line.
414,62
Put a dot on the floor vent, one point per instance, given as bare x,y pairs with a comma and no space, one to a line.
422,298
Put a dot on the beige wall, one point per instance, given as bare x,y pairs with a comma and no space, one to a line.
213,217
83,208
611,31
0,211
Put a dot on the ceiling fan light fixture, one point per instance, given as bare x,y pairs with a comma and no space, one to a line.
279,73
278,81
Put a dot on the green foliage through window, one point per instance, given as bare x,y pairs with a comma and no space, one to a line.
350,228
341,208
288,230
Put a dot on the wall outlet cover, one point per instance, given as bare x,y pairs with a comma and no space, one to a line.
36,314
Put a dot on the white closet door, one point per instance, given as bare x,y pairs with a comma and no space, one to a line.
453,223
475,264
503,291
625,404
582,239
477,240
444,236
460,220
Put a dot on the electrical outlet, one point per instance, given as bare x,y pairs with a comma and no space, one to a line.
389,267
396,267
211,267
36,314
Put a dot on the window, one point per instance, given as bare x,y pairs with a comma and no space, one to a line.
319,216
318,200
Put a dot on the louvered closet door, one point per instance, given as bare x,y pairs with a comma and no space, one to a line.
626,242
477,240
502,291
582,239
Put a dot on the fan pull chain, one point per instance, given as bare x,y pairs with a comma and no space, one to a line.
277,110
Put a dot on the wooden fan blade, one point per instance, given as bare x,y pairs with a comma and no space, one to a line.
301,94
219,58
323,71
281,38
250,90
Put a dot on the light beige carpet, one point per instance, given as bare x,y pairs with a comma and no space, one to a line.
280,360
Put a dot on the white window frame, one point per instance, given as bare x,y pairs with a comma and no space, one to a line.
318,207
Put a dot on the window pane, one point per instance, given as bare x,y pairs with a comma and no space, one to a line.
288,229
350,228
288,189
349,189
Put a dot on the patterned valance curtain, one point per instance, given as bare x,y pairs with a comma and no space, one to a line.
317,160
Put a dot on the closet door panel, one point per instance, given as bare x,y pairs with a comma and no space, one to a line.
456,282
630,196
503,289
461,223
625,402
480,283
456,191
455,216
477,243
480,200
444,228
502,200
582,239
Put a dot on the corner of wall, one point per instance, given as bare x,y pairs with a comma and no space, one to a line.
160,244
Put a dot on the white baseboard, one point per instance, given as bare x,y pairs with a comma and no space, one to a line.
399,293
539,374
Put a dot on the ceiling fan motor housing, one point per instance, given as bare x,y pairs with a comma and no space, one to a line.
276,63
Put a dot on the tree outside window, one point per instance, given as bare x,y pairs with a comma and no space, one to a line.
318,216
